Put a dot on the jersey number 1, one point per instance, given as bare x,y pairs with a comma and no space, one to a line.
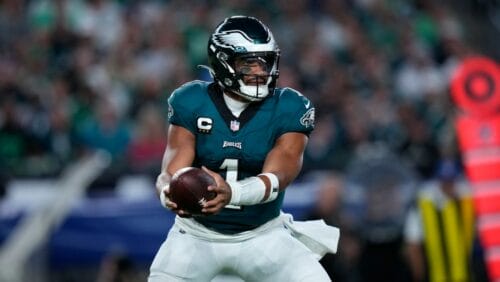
231,167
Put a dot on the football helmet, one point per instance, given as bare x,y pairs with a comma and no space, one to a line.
244,38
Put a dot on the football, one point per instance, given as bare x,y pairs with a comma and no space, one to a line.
188,189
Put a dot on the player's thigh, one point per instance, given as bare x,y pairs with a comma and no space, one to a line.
301,267
277,256
183,258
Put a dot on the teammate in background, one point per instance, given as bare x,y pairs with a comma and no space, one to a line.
250,136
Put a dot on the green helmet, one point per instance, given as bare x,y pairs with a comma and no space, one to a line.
243,37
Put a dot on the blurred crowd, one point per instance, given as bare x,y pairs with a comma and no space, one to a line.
80,75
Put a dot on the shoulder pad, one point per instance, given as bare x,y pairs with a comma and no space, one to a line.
190,88
290,95
296,111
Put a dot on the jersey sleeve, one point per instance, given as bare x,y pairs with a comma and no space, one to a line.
298,112
180,108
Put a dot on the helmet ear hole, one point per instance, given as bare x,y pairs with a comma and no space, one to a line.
241,36
222,56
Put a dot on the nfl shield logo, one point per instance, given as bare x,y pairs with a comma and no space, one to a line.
235,125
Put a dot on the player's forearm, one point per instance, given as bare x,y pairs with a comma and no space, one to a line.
285,159
179,153
169,167
264,187
172,162
286,169
282,165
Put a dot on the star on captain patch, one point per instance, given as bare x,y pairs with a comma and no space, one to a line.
234,125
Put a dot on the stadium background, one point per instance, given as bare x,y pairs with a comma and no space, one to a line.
80,76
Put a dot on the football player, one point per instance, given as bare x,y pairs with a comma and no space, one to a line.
250,136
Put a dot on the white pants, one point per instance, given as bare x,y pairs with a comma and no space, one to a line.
273,255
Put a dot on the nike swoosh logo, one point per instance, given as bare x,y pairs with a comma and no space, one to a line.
307,104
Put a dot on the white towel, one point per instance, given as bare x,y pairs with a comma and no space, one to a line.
316,235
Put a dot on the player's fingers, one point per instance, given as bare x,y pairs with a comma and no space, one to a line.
218,179
212,173
212,209
213,205
166,200
219,190
220,187
171,205
212,188
183,213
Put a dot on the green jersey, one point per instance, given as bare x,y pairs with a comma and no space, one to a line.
236,147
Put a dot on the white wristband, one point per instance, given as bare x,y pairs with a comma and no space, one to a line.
275,186
252,190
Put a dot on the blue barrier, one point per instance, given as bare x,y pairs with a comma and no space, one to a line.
99,226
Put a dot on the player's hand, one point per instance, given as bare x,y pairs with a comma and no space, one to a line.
169,204
223,194
162,184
